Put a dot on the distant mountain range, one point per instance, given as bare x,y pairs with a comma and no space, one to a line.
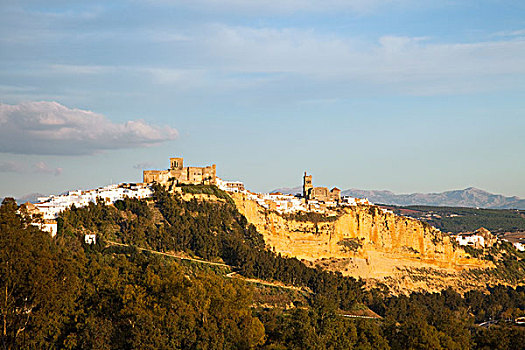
32,197
469,197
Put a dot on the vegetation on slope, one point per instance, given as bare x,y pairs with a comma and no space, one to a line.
446,320
211,230
455,220
206,189
62,293
510,263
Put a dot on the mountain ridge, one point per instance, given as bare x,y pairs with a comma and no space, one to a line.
468,197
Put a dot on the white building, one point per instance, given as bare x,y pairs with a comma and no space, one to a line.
352,201
50,207
90,239
470,239
230,186
47,225
520,246
283,203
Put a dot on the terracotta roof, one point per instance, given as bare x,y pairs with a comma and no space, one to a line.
29,206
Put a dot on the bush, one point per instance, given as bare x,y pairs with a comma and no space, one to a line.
211,190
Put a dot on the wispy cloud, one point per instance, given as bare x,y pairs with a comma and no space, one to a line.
511,33
282,6
228,56
79,69
39,167
159,75
168,36
42,168
186,77
11,167
51,128
144,165
211,55
400,63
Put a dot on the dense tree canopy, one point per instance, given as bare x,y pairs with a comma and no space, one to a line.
67,295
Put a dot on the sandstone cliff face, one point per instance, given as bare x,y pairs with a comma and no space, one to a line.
362,241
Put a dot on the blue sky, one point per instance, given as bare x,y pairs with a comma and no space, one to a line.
410,96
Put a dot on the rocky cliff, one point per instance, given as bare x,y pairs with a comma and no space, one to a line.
367,242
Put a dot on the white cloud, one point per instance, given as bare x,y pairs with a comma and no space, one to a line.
51,128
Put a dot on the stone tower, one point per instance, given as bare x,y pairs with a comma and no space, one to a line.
307,185
176,163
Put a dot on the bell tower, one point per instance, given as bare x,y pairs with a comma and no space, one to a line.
307,185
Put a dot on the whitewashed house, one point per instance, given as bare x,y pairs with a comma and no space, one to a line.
52,206
470,239
90,238
520,246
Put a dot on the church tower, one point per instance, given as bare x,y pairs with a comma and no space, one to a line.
307,185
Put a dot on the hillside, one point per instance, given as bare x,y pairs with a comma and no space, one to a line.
469,197
190,272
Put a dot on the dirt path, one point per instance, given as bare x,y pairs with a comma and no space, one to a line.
232,274
173,255
266,283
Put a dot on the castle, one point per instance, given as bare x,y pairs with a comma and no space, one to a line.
321,194
180,174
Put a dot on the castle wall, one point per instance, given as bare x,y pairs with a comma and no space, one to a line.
182,175
159,176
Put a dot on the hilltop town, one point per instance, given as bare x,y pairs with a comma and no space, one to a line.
315,199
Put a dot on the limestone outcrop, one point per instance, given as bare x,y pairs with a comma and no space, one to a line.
362,241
